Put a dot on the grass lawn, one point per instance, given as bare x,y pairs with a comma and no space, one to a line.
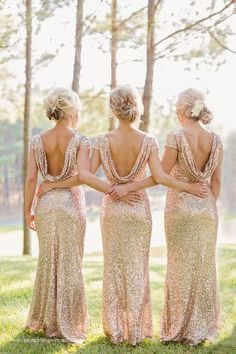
16,281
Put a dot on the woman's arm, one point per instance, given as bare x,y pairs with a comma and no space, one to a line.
83,166
95,182
216,178
168,162
84,174
46,186
169,159
122,190
159,175
86,168
30,187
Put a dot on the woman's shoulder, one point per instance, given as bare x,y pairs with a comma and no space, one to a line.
98,140
173,139
150,137
218,140
175,133
34,141
82,139
152,141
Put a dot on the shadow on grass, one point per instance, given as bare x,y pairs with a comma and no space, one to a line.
32,343
101,345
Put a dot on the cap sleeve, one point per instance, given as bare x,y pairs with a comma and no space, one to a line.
154,144
32,144
220,143
85,142
96,144
171,141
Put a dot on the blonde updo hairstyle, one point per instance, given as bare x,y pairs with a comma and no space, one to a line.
191,104
125,103
61,102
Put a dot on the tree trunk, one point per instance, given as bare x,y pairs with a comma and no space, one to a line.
6,193
114,41
78,45
150,59
27,130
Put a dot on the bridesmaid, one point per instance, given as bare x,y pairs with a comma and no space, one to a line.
58,303
191,310
126,230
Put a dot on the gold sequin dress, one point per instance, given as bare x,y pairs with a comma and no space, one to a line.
126,232
191,309
58,304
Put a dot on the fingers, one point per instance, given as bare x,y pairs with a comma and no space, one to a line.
137,195
114,194
129,202
115,198
112,189
134,199
204,190
32,226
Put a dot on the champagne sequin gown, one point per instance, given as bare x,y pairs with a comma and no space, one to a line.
126,232
58,304
191,309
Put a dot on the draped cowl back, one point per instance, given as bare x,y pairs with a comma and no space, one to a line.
138,170
186,167
69,167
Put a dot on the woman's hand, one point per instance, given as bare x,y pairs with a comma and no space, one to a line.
198,189
119,191
130,198
44,187
30,220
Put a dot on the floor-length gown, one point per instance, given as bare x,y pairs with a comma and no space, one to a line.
58,304
191,309
126,232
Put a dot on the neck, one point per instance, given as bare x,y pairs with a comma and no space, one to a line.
190,123
125,126
64,123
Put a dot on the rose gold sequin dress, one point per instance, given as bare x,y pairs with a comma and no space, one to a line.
58,303
126,232
191,309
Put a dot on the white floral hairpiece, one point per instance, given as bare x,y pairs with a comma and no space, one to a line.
198,106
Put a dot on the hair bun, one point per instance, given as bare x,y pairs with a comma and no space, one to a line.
125,103
205,116
191,103
61,101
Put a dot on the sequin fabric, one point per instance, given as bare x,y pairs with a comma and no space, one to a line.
126,232
191,308
58,304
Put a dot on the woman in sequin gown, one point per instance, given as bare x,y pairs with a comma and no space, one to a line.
126,229
126,232
58,304
191,310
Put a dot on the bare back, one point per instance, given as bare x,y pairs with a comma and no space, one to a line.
55,144
200,143
125,148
